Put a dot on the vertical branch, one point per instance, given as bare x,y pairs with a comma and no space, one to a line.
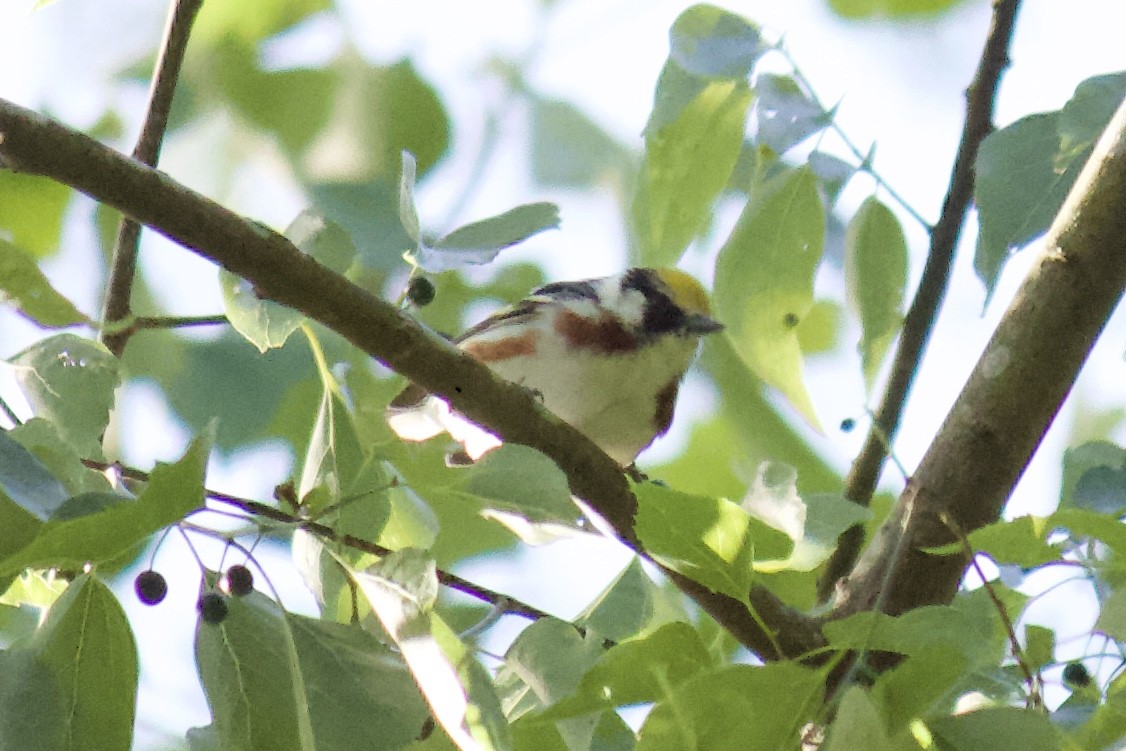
123,267
919,322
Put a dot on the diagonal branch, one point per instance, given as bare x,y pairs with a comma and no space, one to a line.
919,322
280,272
1012,396
123,267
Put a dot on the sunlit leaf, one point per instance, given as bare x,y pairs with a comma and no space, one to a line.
710,540
764,281
402,589
687,162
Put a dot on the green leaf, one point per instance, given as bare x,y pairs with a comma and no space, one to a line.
251,675
1085,116
710,42
764,281
33,711
876,274
1082,523
261,661
917,684
522,489
323,239
1078,460
1112,617
624,607
635,672
857,725
865,9
785,114
479,243
710,540
735,708
26,482
1021,541
1019,189
264,323
39,589
23,285
402,589
687,162
994,728
334,457
1039,646
833,172
45,441
31,214
1102,489
369,212
545,664
87,646
916,631
173,491
70,381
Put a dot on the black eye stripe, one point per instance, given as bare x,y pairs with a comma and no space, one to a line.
661,314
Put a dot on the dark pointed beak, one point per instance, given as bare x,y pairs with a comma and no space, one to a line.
701,324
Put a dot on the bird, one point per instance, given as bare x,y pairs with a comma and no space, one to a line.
606,355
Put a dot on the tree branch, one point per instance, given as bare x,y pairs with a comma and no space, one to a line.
123,266
919,321
280,272
1014,392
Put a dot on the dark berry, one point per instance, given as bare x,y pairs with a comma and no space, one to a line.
1075,674
420,291
239,581
847,425
212,607
150,587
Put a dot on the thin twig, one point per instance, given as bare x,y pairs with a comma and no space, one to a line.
177,322
282,273
920,319
123,267
508,604
1034,697
864,159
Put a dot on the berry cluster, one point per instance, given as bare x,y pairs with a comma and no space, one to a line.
151,588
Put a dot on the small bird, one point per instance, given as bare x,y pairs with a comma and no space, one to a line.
606,355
